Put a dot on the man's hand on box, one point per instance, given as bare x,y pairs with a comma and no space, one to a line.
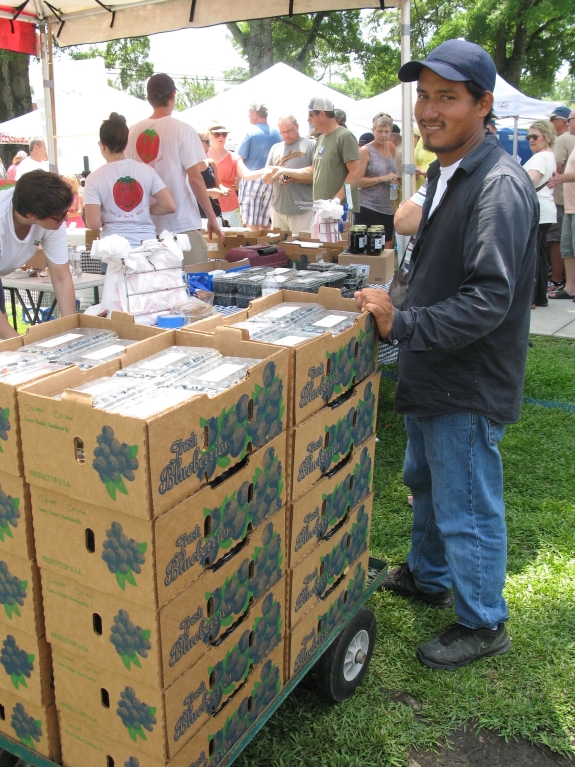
378,303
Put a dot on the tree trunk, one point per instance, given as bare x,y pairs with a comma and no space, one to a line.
258,46
501,49
515,62
15,97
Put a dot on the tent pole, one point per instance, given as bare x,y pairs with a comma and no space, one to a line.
408,175
49,100
515,136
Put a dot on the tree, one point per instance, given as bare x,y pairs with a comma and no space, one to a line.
309,42
193,91
528,39
15,96
354,87
128,57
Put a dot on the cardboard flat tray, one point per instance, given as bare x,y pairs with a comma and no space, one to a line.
377,570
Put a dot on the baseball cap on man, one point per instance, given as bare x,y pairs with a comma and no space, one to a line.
456,60
395,129
161,85
561,111
321,104
340,116
261,109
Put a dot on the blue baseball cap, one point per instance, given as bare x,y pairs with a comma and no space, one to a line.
456,60
561,111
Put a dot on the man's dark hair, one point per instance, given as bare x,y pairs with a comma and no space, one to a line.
114,133
42,194
155,100
477,93
327,114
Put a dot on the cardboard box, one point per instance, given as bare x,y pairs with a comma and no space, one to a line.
319,444
21,595
299,255
178,450
16,531
233,240
309,632
37,261
187,705
212,266
85,746
26,666
378,270
91,235
318,511
33,726
168,553
123,324
323,368
319,572
88,622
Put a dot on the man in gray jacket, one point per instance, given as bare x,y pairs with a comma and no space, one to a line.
462,336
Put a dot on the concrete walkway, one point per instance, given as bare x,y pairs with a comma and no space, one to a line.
557,319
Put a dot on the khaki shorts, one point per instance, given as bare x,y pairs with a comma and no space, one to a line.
199,251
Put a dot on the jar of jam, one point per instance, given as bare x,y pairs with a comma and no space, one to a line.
358,239
375,236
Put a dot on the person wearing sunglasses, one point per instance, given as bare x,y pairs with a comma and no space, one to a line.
32,213
227,164
540,167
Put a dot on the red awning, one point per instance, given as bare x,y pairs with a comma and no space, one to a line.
18,36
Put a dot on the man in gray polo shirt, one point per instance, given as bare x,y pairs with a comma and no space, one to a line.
294,151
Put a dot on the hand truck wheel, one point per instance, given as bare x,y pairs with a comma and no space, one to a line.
344,664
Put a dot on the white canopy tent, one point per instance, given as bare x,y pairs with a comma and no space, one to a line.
83,99
509,102
283,90
75,22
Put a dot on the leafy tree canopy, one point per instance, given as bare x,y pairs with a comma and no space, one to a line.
192,91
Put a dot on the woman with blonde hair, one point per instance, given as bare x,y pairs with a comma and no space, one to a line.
75,213
377,173
227,163
540,168
16,160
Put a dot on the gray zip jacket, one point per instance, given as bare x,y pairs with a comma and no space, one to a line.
464,329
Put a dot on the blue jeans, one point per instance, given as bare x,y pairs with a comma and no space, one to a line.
459,538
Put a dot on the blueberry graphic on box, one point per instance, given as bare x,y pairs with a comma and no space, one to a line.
18,664
12,591
124,556
9,514
129,640
114,462
136,715
4,425
132,762
27,728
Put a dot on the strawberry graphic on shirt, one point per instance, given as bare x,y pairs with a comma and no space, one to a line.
128,193
148,145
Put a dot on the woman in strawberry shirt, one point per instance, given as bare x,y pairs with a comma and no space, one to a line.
120,197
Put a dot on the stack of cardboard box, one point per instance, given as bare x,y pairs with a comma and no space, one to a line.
164,590
27,710
331,447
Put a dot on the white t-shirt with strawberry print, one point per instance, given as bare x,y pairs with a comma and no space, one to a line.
170,146
123,189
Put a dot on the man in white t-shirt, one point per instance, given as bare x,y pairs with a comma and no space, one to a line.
37,160
32,213
175,151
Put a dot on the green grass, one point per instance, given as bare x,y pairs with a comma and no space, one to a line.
531,691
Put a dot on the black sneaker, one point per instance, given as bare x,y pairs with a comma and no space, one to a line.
401,582
459,646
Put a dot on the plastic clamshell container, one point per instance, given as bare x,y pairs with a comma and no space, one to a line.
176,360
218,376
78,338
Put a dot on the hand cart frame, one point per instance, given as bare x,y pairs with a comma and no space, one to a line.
13,750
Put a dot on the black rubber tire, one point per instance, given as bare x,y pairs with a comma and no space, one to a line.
330,667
